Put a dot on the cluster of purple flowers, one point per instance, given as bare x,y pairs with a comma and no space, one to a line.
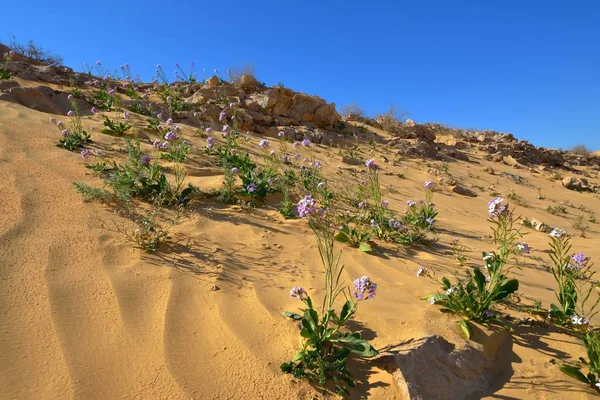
306,143
145,160
394,223
370,163
429,185
496,208
263,144
364,288
307,206
579,259
251,188
210,142
523,247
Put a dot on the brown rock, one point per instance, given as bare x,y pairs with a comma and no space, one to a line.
489,170
410,122
463,191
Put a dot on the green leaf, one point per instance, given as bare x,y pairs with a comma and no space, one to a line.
446,283
479,279
366,247
292,315
574,373
509,287
356,344
341,237
464,326
347,311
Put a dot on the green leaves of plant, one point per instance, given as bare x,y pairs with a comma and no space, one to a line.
366,247
356,344
464,326
508,288
574,373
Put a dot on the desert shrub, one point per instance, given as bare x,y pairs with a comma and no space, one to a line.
580,225
557,210
353,111
140,177
581,149
116,126
458,251
423,214
473,297
391,119
33,51
326,341
235,74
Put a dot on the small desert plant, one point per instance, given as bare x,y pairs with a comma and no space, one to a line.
580,225
422,214
591,341
517,199
474,296
4,74
356,236
174,147
573,276
353,111
557,210
539,193
115,126
326,342
189,77
458,250
74,136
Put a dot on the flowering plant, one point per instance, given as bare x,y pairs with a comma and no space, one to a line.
422,214
325,347
74,136
115,126
474,296
573,275
4,74
591,340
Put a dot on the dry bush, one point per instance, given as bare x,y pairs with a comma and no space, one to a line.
391,120
33,51
581,149
353,112
235,74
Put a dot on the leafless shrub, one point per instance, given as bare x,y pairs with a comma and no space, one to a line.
235,73
391,120
33,51
581,149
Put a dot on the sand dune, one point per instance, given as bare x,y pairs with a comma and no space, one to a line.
86,316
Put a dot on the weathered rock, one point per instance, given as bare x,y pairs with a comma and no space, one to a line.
44,99
578,184
432,368
448,181
9,84
463,191
410,122
497,157
535,224
489,170
213,81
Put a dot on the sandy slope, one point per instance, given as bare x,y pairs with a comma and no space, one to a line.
86,316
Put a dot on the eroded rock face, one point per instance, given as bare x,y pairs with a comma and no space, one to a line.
431,368
44,99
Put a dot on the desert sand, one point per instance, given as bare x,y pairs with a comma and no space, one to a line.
87,316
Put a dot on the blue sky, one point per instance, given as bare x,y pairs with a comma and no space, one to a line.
531,67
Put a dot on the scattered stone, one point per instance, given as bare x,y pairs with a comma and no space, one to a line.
579,184
489,170
463,191
213,81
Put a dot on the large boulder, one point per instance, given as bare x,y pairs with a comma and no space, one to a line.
578,184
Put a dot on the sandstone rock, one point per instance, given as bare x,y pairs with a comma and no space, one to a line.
248,82
410,122
578,184
489,170
260,101
497,157
448,181
44,99
463,191
535,224
213,81
432,368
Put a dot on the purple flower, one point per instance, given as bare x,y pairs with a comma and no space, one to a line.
298,293
65,132
85,153
558,233
384,203
281,134
94,110
272,152
579,259
126,115
208,130
222,116
225,127
251,187
294,144
307,206
264,143
373,223
429,185
53,120
210,142
316,164
165,145
306,143
362,205
496,208
111,92
70,113
286,159
364,286
321,185
234,170
156,144
170,136
430,221
370,163
70,97
411,203
577,320
523,247
422,272
145,160
169,122
297,156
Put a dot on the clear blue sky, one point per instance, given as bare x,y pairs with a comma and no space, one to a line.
527,67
